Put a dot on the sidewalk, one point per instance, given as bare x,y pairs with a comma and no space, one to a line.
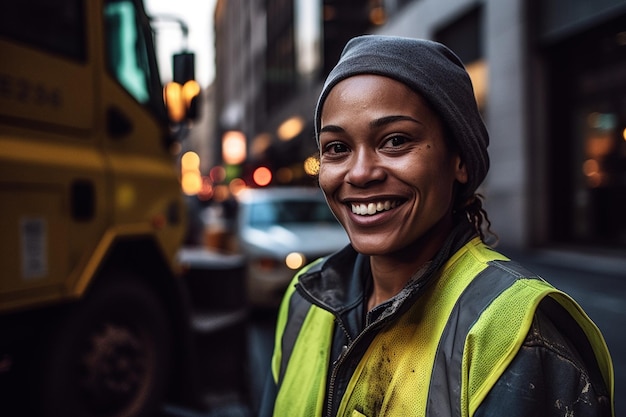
596,263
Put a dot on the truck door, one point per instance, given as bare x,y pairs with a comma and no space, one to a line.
52,182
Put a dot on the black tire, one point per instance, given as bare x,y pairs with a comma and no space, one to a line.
111,355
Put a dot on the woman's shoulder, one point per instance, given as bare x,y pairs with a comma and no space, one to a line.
554,373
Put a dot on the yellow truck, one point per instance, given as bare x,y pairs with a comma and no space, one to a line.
93,316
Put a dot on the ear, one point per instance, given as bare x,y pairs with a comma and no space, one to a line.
460,170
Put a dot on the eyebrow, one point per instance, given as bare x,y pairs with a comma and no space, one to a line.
332,129
374,123
391,119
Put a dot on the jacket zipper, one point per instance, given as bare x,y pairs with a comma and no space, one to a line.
345,352
336,363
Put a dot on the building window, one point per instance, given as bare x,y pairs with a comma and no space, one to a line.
343,19
280,71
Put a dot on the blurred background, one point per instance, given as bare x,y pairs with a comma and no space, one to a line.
136,277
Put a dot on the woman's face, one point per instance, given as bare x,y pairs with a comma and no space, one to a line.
385,168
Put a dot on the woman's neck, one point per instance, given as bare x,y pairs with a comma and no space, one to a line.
391,272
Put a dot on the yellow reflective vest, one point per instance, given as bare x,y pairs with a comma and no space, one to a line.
439,357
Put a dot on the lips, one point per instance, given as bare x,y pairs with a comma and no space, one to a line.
371,208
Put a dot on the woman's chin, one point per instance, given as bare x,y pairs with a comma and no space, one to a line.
372,245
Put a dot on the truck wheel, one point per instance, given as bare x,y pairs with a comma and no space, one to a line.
111,356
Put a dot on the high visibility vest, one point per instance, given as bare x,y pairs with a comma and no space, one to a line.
439,358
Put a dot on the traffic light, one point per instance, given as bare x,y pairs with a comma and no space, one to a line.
182,95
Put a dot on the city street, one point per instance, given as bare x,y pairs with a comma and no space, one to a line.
166,170
601,294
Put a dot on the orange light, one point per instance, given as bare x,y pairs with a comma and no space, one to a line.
172,95
234,147
290,128
378,16
189,90
236,185
191,182
295,260
260,144
312,166
190,161
262,176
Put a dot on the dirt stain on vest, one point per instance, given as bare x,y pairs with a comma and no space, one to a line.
378,376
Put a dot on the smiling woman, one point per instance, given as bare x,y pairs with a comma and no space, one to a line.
418,316
381,145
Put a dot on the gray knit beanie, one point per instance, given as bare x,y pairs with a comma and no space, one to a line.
434,72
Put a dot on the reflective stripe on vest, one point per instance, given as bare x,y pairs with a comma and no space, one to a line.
303,338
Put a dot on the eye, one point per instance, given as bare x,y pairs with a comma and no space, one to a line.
395,141
335,148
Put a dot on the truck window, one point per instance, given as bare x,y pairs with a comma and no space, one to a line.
127,53
53,26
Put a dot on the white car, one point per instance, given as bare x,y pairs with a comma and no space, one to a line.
279,230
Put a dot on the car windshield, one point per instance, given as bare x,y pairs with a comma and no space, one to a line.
263,214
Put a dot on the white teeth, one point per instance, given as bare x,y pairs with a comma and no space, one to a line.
363,209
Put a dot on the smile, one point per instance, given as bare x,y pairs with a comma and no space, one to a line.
368,209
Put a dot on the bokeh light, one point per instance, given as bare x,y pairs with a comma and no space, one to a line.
262,176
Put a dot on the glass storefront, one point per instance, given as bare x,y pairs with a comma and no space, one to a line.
587,137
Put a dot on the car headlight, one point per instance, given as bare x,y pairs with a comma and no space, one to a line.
295,260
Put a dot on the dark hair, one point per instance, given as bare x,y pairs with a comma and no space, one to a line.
473,212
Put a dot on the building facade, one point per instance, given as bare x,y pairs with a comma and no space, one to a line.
549,76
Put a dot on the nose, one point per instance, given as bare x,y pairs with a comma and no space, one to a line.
365,169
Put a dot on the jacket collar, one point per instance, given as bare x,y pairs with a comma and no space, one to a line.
338,283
